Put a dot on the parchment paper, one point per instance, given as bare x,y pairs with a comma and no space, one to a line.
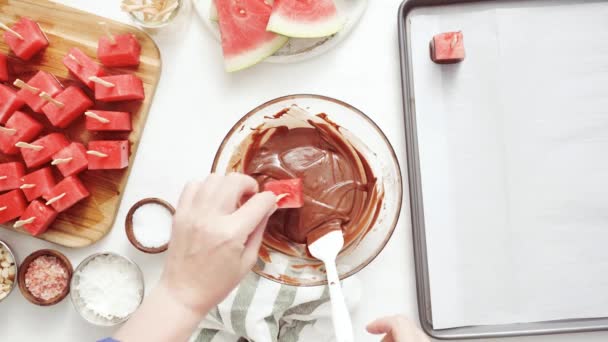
514,161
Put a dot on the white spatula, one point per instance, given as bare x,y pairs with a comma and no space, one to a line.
326,249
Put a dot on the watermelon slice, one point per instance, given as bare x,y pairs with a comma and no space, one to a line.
20,127
305,18
37,218
66,193
245,41
3,68
12,205
37,183
289,192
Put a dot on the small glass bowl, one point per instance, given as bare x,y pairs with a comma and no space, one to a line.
138,18
371,142
78,302
5,246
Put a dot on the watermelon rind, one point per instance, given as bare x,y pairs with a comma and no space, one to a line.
252,57
288,27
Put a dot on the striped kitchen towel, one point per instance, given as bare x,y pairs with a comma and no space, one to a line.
261,310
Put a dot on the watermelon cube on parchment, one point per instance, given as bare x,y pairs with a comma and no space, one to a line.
3,68
41,82
9,102
66,193
12,205
72,103
36,218
26,38
123,51
108,154
20,127
41,151
101,120
289,192
71,160
447,48
10,175
82,66
119,88
37,183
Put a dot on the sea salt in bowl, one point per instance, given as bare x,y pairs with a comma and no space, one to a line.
135,279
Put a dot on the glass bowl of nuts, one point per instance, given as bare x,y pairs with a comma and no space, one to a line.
8,270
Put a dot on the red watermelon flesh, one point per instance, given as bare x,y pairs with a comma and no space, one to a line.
78,162
26,129
82,66
108,121
245,41
9,102
289,192
10,175
33,40
75,103
125,87
43,81
50,144
43,217
3,68
305,18
12,205
67,193
116,154
125,51
37,183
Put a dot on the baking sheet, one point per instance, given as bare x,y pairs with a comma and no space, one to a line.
512,147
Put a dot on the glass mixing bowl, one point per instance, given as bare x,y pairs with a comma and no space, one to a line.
371,142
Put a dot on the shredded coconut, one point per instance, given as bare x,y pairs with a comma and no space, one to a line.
110,286
152,225
46,277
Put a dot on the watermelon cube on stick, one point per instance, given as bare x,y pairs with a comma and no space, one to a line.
37,183
447,48
67,106
20,127
10,175
108,154
36,218
12,205
71,160
3,68
101,120
245,40
42,150
25,38
288,191
9,102
82,66
66,193
305,19
118,50
118,88
41,82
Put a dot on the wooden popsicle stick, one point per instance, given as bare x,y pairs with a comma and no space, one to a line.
281,196
101,81
22,144
9,131
55,199
96,117
22,223
61,161
97,154
72,57
137,8
454,41
22,85
3,208
106,29
3,177
167,10
27,186
51,99
4,27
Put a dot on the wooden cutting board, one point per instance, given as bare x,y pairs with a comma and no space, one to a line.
66,27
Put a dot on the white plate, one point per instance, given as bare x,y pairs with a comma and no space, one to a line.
298,49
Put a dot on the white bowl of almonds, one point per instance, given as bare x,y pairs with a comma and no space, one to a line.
8,270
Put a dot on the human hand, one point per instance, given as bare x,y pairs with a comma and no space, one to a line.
396,329
215,242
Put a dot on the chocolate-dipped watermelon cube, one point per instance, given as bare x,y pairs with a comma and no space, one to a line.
66,193
102,120
118,88
119,50
36,218
69,105
20,127
12,205
25,38
42,150
447,48
37,183
108,154
41,82
3,68
9,102
71,160
10,175
82,66
289,192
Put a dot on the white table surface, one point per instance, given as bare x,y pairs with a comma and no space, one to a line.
196,103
